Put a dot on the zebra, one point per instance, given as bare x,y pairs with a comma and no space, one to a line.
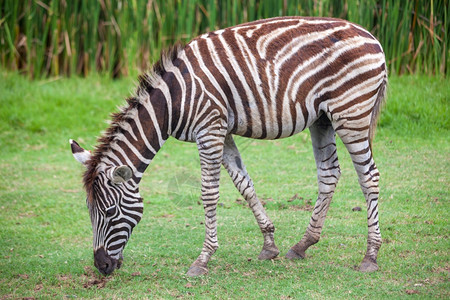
266,79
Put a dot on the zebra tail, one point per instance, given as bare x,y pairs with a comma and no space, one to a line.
379,103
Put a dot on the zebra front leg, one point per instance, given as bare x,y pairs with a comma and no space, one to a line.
210,151
328,173
236,169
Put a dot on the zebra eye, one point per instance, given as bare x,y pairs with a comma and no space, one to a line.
111,211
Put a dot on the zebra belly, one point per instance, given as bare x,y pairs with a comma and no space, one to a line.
269,128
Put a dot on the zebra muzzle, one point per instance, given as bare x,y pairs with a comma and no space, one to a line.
104,263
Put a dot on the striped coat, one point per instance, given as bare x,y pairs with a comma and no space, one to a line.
266,79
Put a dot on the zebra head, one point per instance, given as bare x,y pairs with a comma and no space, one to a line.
115,208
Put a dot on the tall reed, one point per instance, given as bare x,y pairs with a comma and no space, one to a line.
62,37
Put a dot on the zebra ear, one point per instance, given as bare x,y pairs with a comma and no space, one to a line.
121,174
79,153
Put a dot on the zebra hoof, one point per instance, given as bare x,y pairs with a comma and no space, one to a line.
268,253
294,255
195,271
368,266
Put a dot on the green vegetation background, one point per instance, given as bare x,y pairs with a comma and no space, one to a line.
119,37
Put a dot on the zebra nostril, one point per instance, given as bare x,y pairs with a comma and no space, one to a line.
103,268
103,262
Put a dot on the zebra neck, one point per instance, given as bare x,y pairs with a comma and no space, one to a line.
142,131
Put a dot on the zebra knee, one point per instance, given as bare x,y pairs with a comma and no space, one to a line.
267,228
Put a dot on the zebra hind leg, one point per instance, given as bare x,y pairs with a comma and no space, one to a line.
236,169
328,173
355,125
368,176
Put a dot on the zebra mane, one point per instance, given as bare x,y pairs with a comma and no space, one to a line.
147,82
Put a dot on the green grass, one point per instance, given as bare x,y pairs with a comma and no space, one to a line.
45,236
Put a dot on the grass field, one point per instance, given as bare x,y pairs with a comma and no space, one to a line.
45,236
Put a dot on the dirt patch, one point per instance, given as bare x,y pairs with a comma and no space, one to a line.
63,277
407,253
295,197
444,269
299,203
92,278
23,276
38,287
99,283
265,200
166,216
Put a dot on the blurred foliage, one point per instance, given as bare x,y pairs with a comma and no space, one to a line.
44,38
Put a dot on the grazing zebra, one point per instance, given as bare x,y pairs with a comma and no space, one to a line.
266,79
